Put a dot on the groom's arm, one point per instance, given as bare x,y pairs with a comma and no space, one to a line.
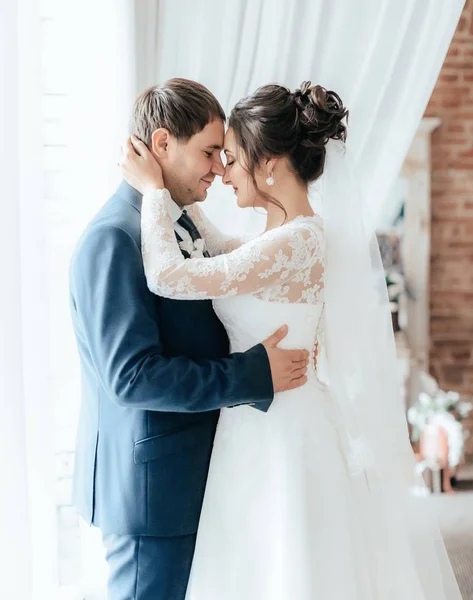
117,313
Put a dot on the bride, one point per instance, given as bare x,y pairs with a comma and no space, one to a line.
316,499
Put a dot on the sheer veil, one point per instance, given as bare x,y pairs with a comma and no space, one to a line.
364,382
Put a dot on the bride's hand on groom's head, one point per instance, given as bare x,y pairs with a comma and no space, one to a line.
139,167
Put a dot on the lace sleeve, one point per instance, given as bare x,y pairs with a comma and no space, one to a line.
216,241
271,260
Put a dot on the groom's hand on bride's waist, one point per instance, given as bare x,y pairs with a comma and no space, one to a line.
288,367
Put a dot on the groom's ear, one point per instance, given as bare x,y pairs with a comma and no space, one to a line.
160,142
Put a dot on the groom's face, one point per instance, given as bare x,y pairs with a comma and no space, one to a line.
190,166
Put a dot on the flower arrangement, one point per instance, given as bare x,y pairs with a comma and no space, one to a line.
435,406
395,285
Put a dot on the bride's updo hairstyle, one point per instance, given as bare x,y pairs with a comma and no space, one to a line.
275,122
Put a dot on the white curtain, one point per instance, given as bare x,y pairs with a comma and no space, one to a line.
382,56
101,89
27,513
14,527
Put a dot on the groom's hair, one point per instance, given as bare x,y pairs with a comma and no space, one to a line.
181,106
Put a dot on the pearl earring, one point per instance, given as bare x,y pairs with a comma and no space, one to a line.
270,180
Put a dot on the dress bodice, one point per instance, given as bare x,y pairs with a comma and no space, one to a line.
249,321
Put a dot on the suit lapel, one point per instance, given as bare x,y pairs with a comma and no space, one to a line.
133,197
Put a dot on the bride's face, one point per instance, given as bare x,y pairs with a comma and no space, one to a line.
236,174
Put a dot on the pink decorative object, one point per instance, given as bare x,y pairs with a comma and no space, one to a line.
434,444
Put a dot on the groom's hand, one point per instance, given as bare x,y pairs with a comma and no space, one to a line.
288,367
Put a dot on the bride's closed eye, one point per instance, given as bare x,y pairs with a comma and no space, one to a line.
229,158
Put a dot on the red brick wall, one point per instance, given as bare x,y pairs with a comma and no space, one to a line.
451,275
451,266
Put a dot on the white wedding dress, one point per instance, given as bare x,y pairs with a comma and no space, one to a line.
283,519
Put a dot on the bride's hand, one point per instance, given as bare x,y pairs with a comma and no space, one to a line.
139,167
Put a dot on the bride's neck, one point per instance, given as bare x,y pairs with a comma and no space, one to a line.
295,200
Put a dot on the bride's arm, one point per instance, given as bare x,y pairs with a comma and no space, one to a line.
274,258
216,241
142,171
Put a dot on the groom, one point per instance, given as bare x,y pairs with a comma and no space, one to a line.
155,372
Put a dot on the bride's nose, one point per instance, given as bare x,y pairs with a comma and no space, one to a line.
226,177
218,167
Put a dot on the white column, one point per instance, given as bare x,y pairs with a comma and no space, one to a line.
417,171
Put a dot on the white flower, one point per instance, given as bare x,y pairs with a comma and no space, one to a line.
396,277
394,290
464,408
187,246
195,248
412,415
424,399
453,396
442,400
199,245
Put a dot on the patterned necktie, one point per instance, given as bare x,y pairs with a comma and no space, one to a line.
188,224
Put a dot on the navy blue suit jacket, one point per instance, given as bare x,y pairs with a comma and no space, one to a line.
155,373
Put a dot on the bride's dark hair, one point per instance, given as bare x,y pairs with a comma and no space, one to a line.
275,122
